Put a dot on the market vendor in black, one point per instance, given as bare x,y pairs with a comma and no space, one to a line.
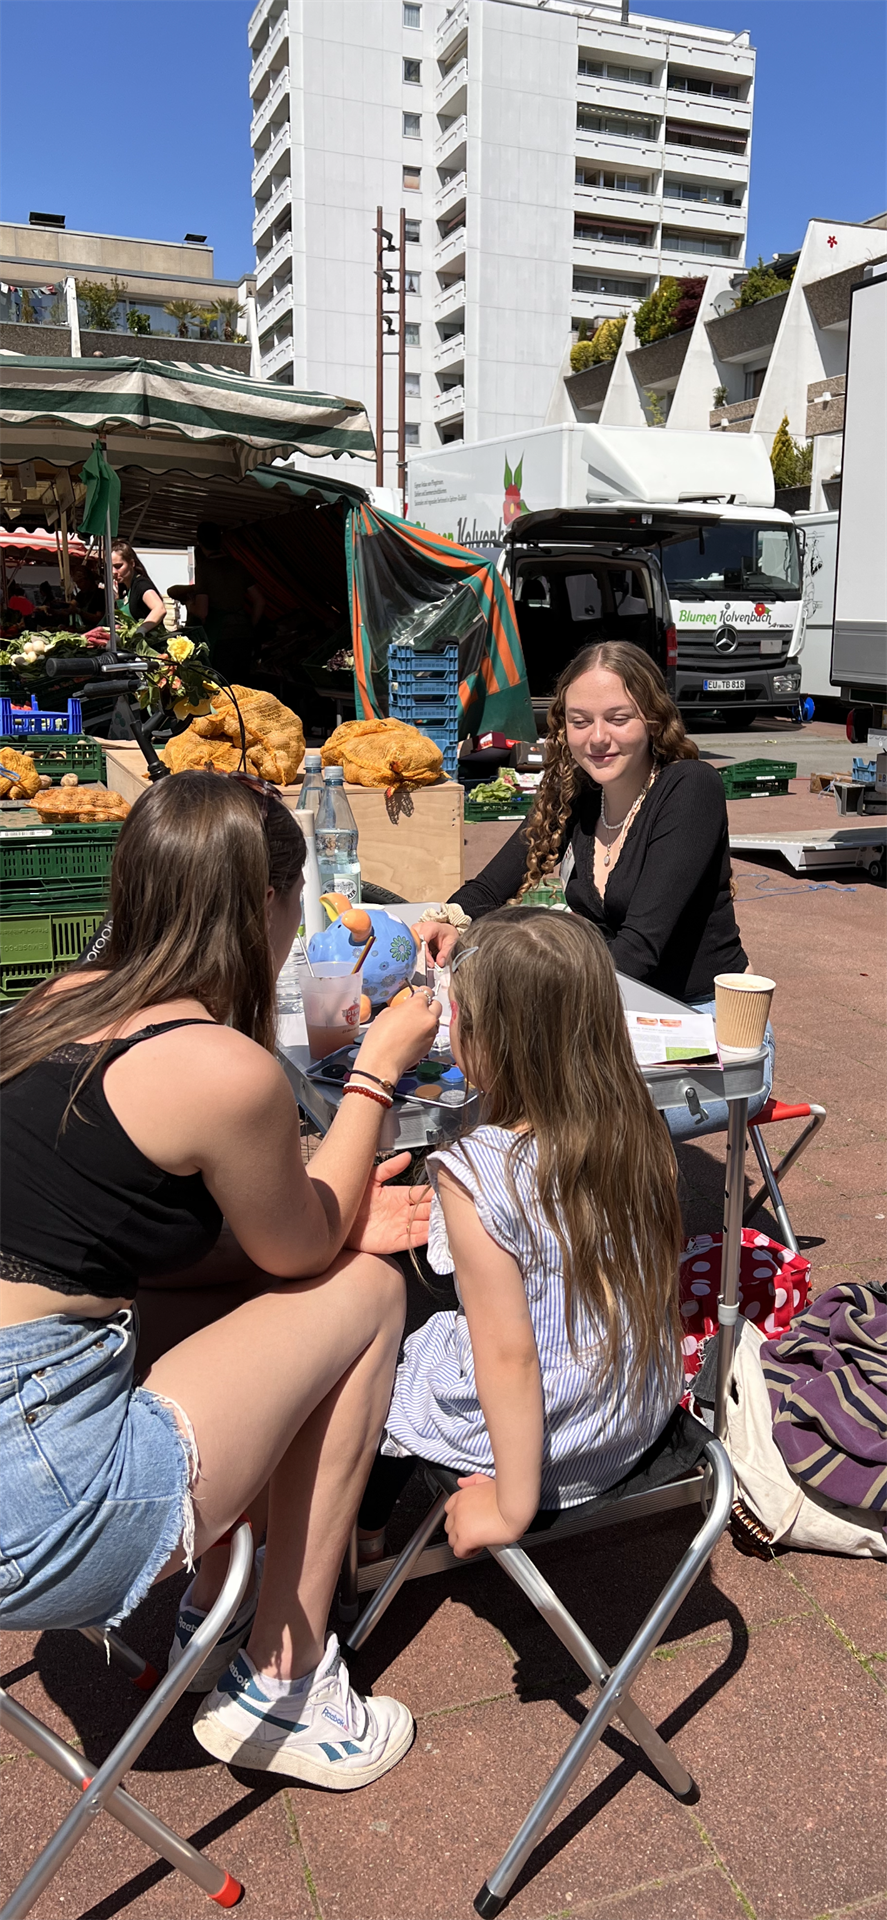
637,824
143,602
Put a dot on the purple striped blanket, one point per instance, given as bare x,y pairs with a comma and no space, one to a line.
827,1380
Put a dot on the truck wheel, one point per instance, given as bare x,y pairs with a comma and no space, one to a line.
877,868
859,720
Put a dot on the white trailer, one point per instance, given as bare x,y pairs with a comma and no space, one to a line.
700,502
820,531
859,646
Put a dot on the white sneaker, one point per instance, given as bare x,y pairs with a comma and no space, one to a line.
238,1629
328,1735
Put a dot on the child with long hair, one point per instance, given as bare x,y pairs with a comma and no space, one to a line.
558,1214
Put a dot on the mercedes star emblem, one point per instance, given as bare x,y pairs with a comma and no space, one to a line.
726,640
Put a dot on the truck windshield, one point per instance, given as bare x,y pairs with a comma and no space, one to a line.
740,561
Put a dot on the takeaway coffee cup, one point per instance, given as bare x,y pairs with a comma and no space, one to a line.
331,999
742,1007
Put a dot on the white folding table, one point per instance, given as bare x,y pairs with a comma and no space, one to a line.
414,1125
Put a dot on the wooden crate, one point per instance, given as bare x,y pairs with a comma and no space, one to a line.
413,844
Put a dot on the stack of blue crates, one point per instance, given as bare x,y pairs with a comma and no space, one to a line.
34,721
423,689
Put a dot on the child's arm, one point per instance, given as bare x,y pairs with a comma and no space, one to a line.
494,1512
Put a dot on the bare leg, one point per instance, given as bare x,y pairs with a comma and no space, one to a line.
291,1388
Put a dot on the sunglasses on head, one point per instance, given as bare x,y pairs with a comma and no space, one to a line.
263,788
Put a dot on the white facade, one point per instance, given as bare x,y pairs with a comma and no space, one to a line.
554,161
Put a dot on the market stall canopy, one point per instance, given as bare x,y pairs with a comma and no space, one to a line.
144,407
29,549
409,587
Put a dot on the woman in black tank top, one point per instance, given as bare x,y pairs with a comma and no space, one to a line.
142,1106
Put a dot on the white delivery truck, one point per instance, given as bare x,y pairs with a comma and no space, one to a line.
859,644
820,537
685,518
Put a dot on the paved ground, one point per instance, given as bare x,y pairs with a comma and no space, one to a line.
771,1681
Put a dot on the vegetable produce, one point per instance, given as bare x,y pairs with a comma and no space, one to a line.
506,786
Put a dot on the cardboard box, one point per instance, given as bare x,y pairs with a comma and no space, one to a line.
412,844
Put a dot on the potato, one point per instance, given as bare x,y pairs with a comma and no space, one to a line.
69,780
45,780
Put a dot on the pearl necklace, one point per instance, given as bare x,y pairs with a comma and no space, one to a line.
620,827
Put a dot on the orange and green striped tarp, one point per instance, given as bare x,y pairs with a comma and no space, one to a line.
407,586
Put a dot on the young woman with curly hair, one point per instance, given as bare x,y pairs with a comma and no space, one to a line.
637,824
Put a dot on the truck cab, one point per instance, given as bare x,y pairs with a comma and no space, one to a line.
579,578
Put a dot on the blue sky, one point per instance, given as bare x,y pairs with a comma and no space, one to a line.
132,116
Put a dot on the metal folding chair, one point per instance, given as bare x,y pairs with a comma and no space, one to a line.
637,1497
101,1788
771,1114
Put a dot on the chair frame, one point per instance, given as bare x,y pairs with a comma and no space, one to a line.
772,1113
101,1788
712,1487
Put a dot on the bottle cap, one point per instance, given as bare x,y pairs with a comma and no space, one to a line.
312,760
334,776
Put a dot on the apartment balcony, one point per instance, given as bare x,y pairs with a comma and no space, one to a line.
614,206
825,405
266,11
747,333
737,418
451,141
455,22
276,358
279,303
620,151
278,34
450,300
449,404
451,195
267,158
454,82
270,209
701,216
277,95
722,114
270,263
619,96
595,307
705,142
450,253
608,257
450,353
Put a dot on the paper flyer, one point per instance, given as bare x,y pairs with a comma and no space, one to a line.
658,1039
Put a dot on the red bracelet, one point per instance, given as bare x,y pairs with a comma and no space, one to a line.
368,1094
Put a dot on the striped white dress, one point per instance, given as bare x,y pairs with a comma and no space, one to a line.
589,1440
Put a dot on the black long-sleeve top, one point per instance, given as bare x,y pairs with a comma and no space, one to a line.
666,913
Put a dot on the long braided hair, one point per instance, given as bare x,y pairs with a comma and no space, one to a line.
563,779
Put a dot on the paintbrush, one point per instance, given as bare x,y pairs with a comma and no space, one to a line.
362,956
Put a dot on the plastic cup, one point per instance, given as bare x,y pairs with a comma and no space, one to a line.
742,1008
331,1003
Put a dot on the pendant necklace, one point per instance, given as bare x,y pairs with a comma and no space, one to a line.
620,827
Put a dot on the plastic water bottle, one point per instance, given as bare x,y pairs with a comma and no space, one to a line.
336,834
312,784
290,1015
313,916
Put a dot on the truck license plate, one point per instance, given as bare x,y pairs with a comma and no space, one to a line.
723,686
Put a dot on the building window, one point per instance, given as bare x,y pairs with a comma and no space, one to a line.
625,126
587,229
412,232
720,247
411,333
610,283
704,192
611,182
611,70
412,179
411,386
754,381
710,89
411,282
412,16
412,73
411,429
715,139
412,126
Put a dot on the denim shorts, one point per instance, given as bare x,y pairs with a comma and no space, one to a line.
679,1120
95,1474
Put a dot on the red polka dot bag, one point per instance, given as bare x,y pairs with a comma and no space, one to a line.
774,1286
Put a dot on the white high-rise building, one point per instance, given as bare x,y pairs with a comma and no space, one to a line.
553,160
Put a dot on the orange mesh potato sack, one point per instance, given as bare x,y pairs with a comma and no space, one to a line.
397,758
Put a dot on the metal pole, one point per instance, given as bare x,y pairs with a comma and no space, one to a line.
731,1250
401,365
380,383
110,605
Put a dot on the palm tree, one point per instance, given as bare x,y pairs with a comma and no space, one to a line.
182,311
228,311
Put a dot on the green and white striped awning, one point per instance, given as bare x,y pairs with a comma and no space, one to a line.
174,401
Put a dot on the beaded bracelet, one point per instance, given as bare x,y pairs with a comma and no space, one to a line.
368,1094
387,1086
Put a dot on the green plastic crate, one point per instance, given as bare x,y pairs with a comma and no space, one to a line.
516,809
35,946
60,753
31,855
750,777
50,896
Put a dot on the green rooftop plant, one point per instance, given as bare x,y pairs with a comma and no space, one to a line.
761,283
791,460
654,319
138,322
228,312
100,303
719,397
581,356
181,311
